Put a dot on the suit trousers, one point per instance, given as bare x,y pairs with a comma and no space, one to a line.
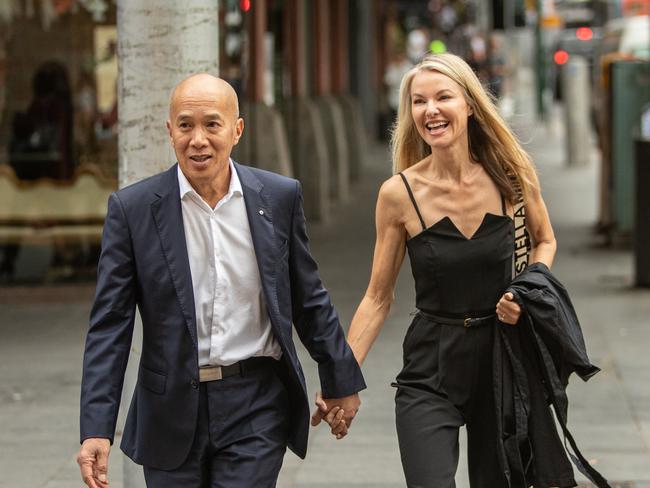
241,433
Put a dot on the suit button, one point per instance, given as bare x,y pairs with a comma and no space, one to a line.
194,384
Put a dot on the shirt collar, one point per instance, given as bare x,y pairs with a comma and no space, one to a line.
235,184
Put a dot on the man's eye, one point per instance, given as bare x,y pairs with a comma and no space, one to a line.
183,125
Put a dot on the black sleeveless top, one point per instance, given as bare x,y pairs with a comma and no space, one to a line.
456,276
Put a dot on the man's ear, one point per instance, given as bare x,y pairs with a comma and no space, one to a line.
239,130
169,130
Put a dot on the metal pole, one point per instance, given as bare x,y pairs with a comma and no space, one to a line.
575,87
508,15
540,64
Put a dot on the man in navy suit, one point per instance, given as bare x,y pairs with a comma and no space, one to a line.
215,256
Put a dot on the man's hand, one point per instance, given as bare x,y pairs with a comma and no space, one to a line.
93,462
337,412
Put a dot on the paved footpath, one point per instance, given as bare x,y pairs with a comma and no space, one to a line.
42,334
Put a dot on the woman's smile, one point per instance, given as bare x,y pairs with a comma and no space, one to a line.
436,127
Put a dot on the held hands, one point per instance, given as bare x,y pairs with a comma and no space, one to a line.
508,311
92,459
337,412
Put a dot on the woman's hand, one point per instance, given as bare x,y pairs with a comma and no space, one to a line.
508,311
335,415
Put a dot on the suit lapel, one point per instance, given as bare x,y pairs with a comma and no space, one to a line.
168,216
260,220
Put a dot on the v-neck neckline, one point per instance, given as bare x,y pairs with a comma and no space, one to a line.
447,218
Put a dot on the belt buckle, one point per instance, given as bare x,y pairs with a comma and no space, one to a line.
467,322
211,373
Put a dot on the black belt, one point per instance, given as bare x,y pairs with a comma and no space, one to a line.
466,321
215,373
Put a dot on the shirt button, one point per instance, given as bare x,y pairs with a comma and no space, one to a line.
194,384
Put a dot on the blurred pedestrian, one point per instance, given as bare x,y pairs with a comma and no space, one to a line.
459,173
396,68
496,66
417,43
41,143
215,256
478,55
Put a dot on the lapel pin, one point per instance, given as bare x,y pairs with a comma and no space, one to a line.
261,212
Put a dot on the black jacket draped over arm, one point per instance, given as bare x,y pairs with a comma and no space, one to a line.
532,363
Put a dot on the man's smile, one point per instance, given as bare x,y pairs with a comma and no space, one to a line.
200,158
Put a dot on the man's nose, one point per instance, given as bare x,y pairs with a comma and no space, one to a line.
198,138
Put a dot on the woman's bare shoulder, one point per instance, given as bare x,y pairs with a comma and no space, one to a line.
392,194
392,185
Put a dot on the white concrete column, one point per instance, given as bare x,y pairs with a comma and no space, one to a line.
159,43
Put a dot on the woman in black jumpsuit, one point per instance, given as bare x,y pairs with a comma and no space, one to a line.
459,172
446,380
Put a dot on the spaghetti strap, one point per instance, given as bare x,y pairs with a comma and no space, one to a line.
503,206
415,205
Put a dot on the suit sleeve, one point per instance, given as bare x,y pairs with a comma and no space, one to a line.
314,317
111,328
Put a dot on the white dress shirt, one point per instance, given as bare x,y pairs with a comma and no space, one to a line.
231,316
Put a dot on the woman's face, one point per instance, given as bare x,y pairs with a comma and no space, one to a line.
439,110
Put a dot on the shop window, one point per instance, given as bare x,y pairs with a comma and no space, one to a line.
58,115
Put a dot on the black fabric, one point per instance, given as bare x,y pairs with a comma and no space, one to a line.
446,379
547,302
537,358
457,276
427,430
528,365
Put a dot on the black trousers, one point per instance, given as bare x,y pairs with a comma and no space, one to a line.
241,433
446,382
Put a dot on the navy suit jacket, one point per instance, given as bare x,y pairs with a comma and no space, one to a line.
144,263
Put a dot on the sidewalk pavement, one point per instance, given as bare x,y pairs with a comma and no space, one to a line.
43,329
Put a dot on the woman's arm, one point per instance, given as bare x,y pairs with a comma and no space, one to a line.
389,253
543,250
539,227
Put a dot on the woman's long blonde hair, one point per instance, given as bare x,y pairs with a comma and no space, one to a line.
491,142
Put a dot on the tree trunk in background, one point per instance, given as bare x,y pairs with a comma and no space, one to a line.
159,43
